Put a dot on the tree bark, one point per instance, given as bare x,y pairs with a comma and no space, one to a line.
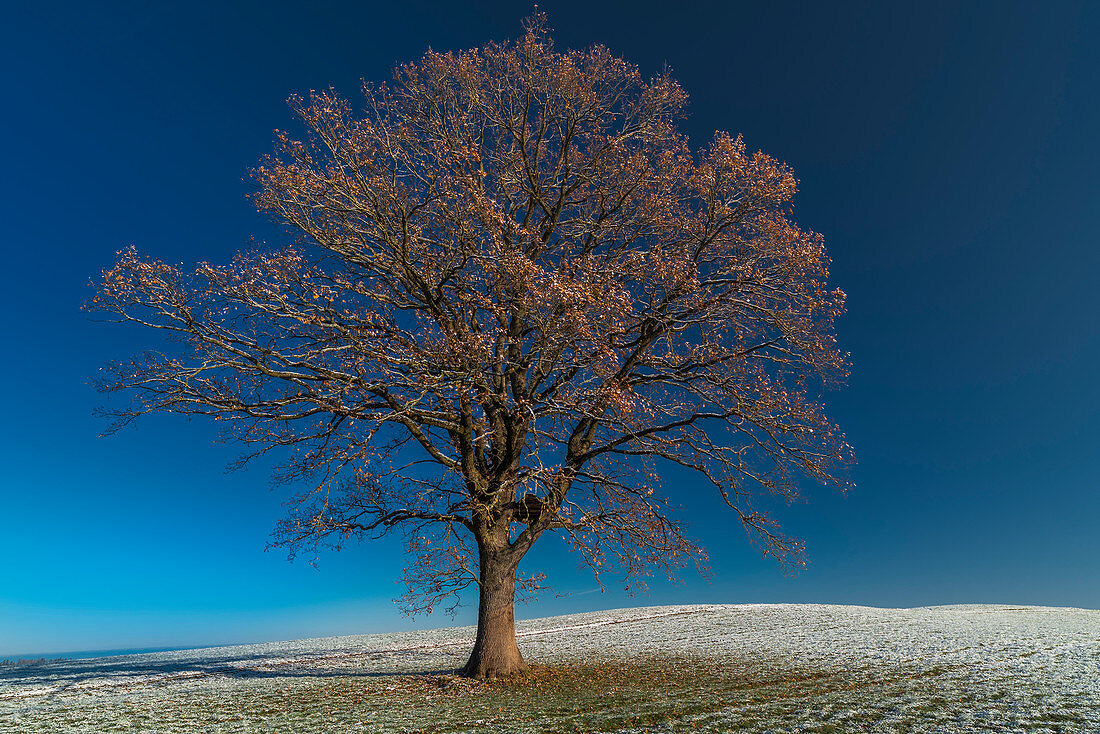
495,654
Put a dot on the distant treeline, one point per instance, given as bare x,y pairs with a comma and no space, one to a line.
30,661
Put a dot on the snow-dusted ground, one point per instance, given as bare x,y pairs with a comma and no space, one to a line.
950,668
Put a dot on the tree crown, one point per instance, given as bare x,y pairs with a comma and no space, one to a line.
513,293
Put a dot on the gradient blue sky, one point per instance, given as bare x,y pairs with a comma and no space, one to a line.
947,152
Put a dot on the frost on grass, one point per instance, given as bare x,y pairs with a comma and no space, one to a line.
777,668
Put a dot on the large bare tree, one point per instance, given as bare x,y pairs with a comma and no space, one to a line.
512,294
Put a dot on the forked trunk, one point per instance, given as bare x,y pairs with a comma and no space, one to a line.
496,654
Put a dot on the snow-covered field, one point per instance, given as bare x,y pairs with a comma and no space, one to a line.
749,667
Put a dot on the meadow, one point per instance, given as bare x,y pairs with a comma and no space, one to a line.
717,668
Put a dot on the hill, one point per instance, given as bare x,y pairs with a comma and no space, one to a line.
755,667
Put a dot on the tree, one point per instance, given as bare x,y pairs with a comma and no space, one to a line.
512,294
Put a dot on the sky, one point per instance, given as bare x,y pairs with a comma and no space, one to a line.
947,152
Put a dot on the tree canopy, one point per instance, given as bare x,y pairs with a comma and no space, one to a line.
511,295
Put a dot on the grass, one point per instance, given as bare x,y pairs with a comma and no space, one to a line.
668,693
773,669
625,694
683,692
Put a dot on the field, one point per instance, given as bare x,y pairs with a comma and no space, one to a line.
717,668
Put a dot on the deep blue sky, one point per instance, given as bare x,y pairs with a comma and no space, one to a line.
948,154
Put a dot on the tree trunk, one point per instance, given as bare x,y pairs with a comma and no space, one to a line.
496,654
